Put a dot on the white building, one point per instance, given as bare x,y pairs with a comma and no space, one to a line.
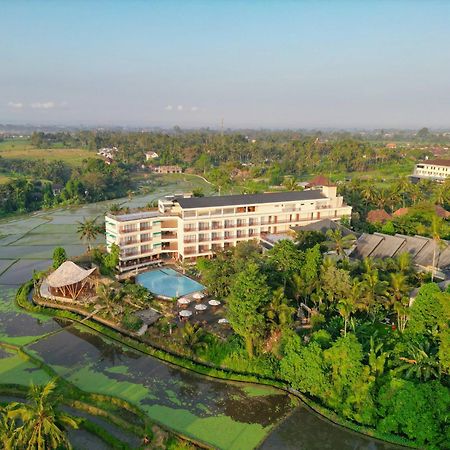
436,170
184,228
151,155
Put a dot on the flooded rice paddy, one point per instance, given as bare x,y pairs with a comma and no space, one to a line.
184,401
225,415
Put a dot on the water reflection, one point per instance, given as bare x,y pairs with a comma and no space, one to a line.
304,430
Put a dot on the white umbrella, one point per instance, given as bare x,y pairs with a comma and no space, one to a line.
214,302
184,301
198,295
186,313
200,307
223,321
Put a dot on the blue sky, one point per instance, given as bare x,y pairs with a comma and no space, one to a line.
317,63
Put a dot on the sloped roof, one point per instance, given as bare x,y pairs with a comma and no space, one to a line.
437,162
411,245
66,274
320,180
420,248
400,212
365,245
378,216
387,247
441,212
323,226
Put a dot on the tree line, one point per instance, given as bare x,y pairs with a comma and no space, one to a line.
343,332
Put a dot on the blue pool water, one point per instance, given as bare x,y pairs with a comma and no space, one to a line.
168,283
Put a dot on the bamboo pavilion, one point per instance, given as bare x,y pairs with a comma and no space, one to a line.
70,280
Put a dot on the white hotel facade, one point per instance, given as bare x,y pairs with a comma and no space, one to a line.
184,228
435,170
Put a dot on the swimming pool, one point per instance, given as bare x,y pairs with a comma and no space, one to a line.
168,283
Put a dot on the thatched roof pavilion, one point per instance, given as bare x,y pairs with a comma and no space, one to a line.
69,280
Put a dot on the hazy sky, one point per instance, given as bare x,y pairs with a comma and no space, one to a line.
361,63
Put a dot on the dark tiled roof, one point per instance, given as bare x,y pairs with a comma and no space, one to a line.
437,162
323,226
250,199
365,245
387,247
420,248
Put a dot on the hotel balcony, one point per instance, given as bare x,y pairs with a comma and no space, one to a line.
190,251
145,227
190,229
168,235
229,238
124,230
189,241
126,242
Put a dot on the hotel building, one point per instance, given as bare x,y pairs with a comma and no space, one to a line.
436,170
184,228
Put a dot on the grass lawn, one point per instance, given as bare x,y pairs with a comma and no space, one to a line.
22,149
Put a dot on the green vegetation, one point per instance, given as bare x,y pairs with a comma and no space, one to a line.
36,424
59,256
346,356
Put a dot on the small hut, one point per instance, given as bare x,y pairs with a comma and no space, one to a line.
70,280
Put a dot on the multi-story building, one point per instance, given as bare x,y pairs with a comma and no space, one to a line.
184,227
436,170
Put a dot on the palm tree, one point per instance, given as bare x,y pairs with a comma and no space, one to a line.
338,242
111,299
7,429
420,362
290,183
377,358
373,291
397,293
350,304
88,230
438,244
441,194
401,188
279,312
42,426
193,337
369,194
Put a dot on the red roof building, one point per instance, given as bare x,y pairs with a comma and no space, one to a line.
378,216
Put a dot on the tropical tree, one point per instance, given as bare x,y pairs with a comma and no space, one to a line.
88,230
421,361
111,299
399,300
194,338
348,305
279,313
249,295
339,243
438,244
42,425
59,256
290,183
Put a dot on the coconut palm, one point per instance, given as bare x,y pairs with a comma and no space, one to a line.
369,193
438,244
397,294
88,230
401,188
373,291
420,362
290,183
193,337
111,299
42,425
279,312
376,357
339,243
